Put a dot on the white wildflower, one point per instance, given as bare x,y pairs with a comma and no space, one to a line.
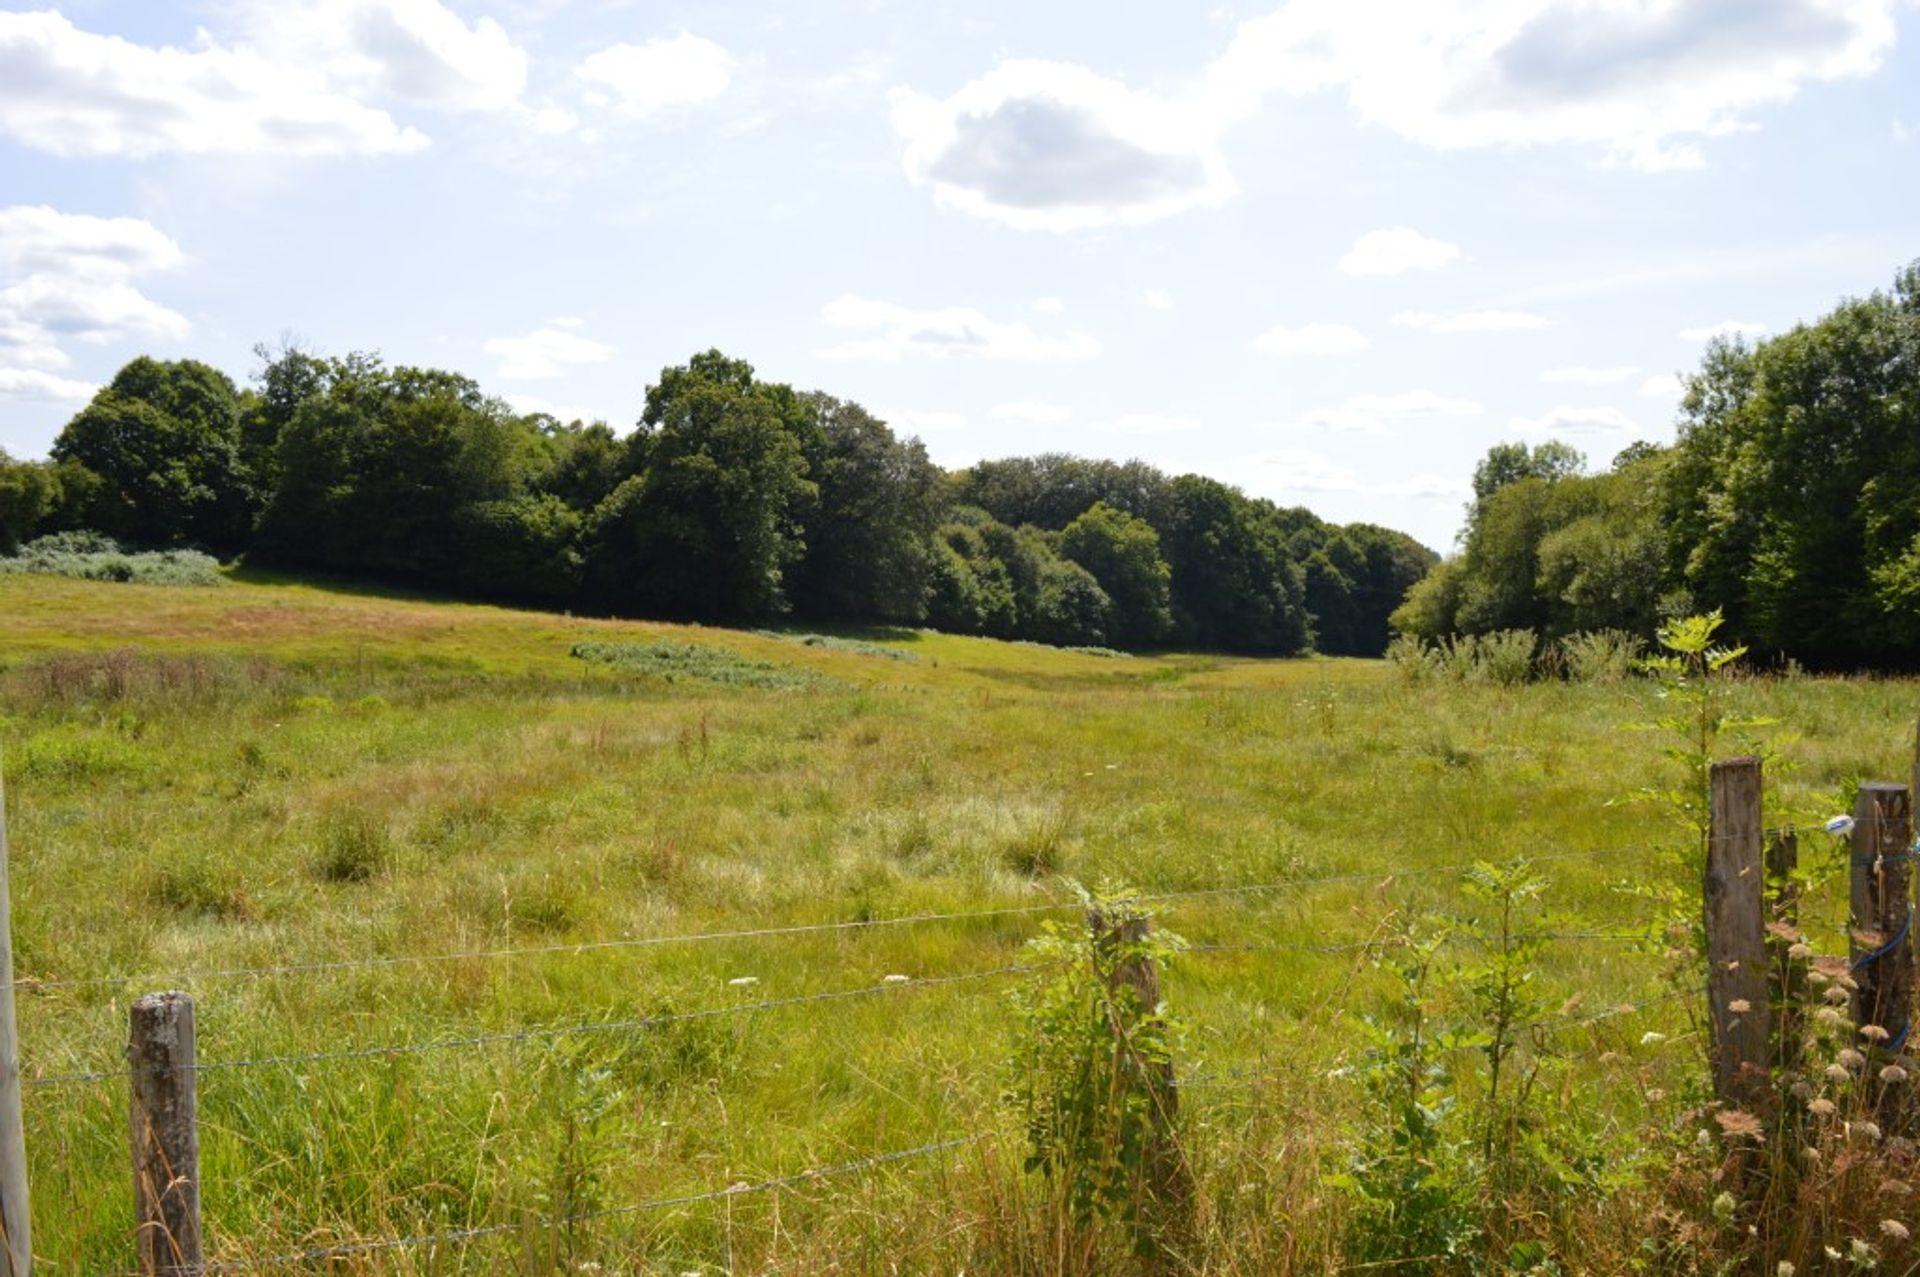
1894,1229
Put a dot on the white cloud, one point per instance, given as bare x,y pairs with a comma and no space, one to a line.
1312,339
417,51
1471,321
1049,305
73,92
1371,414
926,422
1147,423
641,80
1056,146
545,351
1296,471
1725,328
1158,299
70,276
1666,386
951,331
1030,410
1902,132
1644,82
1396,251
1571,420
1588,376
31,383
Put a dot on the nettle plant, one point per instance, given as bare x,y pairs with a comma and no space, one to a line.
1459,1158
1089,1060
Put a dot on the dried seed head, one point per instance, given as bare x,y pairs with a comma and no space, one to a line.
1836,996
1874,1033
1822,1107
1893,1075
1853,1059
1799,953
1868,1131
1894,1229
1838,1073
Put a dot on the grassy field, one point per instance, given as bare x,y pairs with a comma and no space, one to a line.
271,773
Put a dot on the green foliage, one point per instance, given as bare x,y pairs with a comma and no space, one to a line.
88,556
714,516
1123,554
29,492
1599,656
868,554
835,643
164,439
674,662
1088,1062
1411,1192
1788,504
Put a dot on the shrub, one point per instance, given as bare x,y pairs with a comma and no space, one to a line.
1599,656
1505,657
88,556
1415,659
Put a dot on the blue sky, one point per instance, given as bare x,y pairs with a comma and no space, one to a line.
1329,251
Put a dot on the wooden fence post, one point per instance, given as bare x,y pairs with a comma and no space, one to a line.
166,1137
1787,974
1167,1178
1881,923
16,1226
1733,886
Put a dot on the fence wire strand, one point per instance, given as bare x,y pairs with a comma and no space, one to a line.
547,1032
31,984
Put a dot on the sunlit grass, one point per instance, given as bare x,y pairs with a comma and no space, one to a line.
278,772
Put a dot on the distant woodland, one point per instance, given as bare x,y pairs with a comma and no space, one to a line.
1790,501
734,499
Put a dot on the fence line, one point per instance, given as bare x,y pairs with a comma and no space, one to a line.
546,1032
35,984
654,1021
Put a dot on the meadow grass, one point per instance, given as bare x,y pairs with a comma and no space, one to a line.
280,772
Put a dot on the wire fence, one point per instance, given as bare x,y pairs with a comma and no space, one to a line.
36,984
1643,940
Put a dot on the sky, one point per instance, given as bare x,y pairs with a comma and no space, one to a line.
1327,250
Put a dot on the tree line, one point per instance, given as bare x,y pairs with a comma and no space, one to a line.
1790,501
734,499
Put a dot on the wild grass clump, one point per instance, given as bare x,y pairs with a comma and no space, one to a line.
152,681
355,847
89,556
697,662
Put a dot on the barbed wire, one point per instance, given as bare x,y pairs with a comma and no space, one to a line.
346,1250
547,1032
35,983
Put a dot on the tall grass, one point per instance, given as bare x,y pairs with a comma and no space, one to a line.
279,774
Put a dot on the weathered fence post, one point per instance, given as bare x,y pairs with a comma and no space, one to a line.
1881,923
1733,885
1165,1172
16,1228
166,1137
1787,974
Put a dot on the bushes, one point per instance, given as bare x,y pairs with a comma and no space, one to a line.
1508,658
88,556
